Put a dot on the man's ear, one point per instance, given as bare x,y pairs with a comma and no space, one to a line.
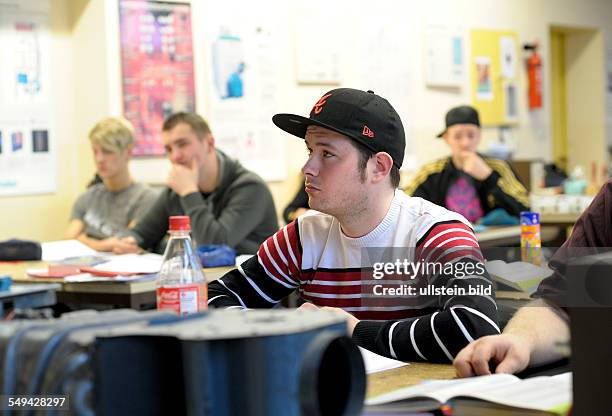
445,138
382,163
210,139
130,150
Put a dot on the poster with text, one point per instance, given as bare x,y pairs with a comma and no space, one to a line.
27,148
157,67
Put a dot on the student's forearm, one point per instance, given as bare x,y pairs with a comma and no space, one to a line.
542,328
98,245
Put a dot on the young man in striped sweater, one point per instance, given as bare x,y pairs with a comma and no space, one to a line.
331,255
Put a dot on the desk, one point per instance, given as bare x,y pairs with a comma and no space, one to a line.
387,381
510,235
24,296
563,222
135,295
499,236
559,220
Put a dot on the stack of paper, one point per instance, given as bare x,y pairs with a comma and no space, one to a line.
53,251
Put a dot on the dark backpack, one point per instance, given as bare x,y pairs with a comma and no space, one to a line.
20,250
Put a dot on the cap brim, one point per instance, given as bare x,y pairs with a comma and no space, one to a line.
297,125
442,133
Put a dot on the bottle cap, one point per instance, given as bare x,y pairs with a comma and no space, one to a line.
179,223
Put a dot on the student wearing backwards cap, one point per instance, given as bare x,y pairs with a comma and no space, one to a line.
467,182
355,141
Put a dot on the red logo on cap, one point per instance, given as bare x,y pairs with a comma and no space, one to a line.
318,107
367,132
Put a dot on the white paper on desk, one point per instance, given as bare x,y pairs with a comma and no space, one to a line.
62,249
375,363
84,278
132,263
87,278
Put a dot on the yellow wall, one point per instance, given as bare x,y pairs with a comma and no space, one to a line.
584,66
558,94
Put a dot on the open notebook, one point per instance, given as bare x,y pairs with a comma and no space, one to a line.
502,394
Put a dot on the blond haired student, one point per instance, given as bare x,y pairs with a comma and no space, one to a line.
105,211
226,203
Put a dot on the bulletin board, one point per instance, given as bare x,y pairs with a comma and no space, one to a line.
494,74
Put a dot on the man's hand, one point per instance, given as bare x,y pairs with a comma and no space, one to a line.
126,245
351,321
184,180
473,165
510,352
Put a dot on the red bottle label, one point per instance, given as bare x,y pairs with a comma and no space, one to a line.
184,300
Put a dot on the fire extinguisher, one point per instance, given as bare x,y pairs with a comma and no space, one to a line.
534,76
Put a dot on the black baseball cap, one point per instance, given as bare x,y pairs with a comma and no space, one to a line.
464,114
361,115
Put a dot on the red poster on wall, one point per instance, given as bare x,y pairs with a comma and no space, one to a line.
157,67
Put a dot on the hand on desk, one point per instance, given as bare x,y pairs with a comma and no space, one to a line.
510,352
108,244
126,245
351,321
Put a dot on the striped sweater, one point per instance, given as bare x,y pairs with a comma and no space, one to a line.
313,257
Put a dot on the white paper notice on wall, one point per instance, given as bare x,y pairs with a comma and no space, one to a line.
484,85
27,152
507,57
317,55
391,79
243,88
444,56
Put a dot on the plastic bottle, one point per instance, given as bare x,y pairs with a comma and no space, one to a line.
181,285
531,243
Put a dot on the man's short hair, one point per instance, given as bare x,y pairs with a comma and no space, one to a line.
196,122
365,155
113,133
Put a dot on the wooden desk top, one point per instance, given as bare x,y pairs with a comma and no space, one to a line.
17,270
497,233
565,219
414,373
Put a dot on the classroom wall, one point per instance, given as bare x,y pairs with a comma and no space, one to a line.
585,98
44,217
86,85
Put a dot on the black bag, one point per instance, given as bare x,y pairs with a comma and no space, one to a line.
20,250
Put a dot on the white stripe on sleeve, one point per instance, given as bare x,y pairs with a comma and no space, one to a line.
391,350
414,345
435,334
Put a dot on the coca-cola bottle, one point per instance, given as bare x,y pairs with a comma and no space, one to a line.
181,285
